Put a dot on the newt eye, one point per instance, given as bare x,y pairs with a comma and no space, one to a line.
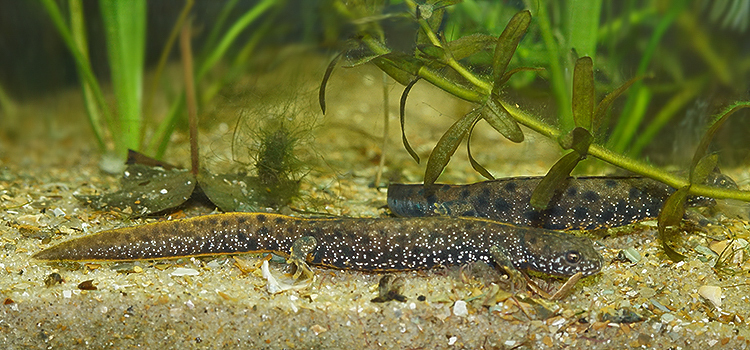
572,257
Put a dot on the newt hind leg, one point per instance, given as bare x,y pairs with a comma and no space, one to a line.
298,257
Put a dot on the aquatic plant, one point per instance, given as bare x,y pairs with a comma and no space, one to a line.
438,62
125,32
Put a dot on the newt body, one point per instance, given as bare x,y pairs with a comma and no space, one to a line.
583,203
388,244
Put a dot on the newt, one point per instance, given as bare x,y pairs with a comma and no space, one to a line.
366,244
581,203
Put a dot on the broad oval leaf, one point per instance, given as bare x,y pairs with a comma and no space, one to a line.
546,188
402,111
499,118
433,52
446,147
507,43
583,92
474,164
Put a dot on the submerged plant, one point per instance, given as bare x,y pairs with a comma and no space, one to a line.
438,62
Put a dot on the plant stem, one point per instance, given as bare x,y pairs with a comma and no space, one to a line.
187,71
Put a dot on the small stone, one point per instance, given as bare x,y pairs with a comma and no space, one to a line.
452,340
459,308
712,294
182,271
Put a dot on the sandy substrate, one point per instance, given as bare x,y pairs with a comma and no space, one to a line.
212,303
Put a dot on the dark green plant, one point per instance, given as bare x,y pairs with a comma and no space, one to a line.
438,62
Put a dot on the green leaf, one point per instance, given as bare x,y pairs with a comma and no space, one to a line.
468,45
703,169
402,109
670,215
709,135
474,164
399,66
510,73
578,139
546,188
433,52
604,104
446,147
507,43
499,118
583,93
326,76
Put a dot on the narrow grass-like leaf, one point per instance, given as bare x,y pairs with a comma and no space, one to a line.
468,45
670,215
402,111
496,115
507,43
700,152
446,147
504,79
583,93
474,164
326,76
604,104
546,188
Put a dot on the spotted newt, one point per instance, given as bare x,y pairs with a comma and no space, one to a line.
374,244
582,203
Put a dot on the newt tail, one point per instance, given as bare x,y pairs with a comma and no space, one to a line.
387,244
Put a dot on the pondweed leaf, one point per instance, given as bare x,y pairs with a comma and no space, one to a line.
402,111
583,93
546,188
466,46
705,167
578,139
506,45
474,164
399,66
446,147
670,215
499,118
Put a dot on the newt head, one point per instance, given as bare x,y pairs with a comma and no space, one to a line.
561,254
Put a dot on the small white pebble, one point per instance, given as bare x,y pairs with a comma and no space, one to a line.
58,212
412,306
459,308
452,340
189,304
67,294
181,271
712,294
163,191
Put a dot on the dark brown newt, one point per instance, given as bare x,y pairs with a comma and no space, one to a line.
582,203
374,244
